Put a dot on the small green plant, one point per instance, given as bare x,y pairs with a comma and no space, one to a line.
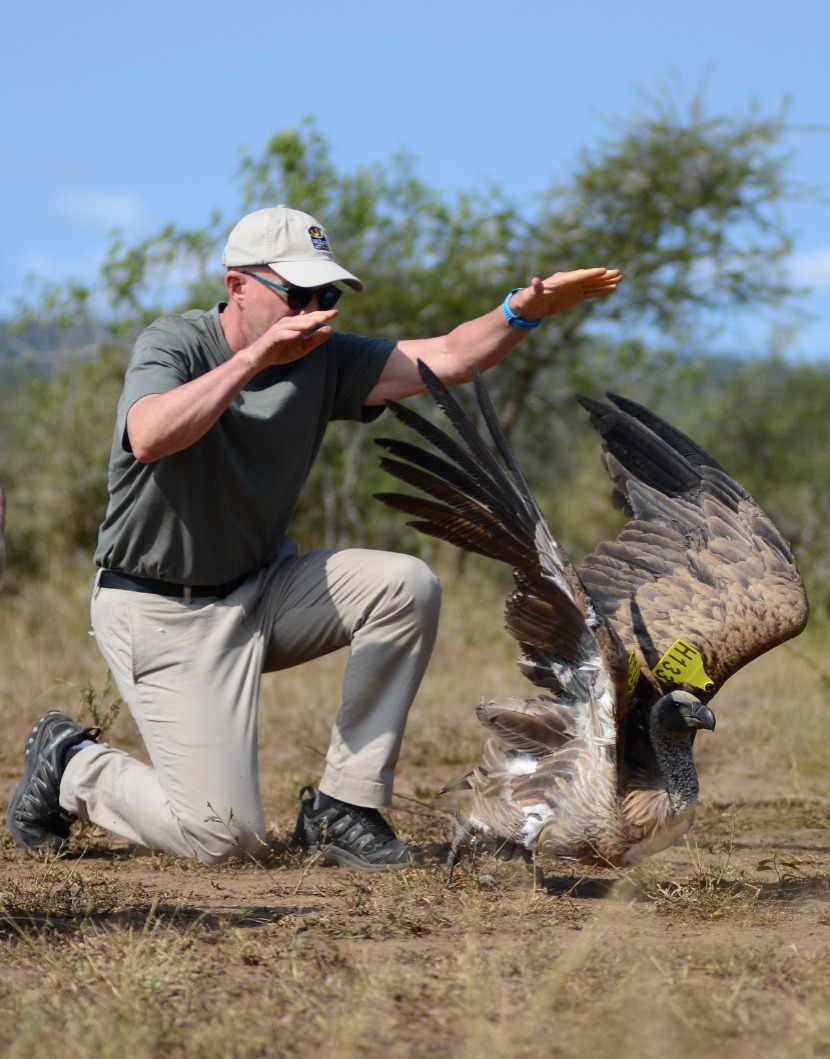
786,870
103,707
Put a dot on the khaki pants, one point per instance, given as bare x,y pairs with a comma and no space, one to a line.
190,675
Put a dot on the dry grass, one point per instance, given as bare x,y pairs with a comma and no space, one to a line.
722,944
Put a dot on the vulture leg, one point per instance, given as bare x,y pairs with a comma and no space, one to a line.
461,835
535,868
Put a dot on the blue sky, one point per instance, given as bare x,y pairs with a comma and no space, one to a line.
131,115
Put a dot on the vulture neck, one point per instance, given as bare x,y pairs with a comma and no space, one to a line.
675,756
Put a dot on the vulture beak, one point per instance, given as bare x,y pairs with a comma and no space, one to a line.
698,716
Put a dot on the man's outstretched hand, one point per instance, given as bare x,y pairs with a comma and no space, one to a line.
564,290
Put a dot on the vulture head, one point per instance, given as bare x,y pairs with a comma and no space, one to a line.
680,715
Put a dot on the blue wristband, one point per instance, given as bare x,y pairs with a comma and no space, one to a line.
512,319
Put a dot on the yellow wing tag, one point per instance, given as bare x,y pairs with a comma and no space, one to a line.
633,673
683,664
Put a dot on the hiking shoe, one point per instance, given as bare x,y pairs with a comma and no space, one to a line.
351,835
35,817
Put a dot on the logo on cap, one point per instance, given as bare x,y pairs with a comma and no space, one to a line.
318,239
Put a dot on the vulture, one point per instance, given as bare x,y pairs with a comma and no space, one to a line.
625,650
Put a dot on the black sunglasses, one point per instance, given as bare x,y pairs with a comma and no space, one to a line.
299,297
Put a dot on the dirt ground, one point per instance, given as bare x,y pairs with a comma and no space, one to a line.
720,944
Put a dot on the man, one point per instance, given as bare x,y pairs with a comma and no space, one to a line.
200,590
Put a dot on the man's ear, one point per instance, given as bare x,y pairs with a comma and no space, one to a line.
234,282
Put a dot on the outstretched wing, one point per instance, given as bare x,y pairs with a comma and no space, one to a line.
482,503
698,563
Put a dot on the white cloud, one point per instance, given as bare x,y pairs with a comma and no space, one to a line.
55,266
101,211
813,268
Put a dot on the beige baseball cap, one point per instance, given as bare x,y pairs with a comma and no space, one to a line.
292,243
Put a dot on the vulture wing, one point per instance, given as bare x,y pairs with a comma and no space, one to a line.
478,499
699,565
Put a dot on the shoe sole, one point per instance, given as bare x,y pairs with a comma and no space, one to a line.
32,747
335,855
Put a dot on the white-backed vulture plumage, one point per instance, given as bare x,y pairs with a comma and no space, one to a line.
628,649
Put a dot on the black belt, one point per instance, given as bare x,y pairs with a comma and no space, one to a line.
131,583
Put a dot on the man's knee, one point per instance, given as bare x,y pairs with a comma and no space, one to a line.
217,839
414,580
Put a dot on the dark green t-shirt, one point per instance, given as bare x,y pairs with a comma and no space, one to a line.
220,508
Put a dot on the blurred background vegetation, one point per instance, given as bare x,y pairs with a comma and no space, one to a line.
687,204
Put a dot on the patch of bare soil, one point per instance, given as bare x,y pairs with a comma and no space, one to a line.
722,944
